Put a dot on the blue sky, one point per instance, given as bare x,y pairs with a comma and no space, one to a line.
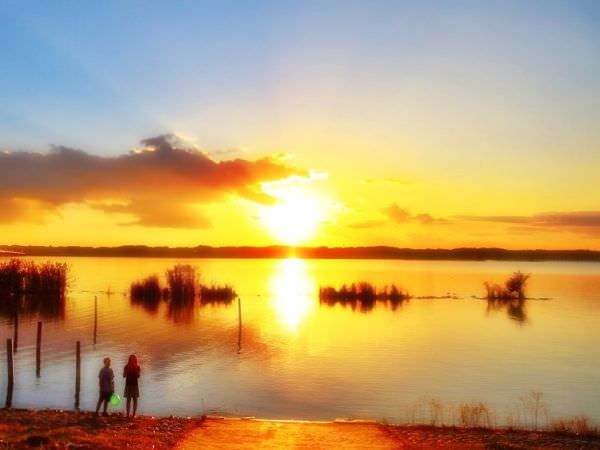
103,75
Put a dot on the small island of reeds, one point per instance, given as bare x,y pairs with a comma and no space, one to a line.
510,296
363,295
182,287
513,289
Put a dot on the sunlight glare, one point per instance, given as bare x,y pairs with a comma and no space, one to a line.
292,288
295,218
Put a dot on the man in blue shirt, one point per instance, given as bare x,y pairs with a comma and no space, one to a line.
106,380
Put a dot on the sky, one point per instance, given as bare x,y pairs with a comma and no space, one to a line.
412,124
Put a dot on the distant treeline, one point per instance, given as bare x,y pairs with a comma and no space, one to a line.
377,252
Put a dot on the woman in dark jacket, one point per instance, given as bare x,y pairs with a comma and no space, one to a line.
131,373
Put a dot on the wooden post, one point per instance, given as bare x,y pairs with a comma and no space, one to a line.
239,325
77,373
11,373
95,318
16,330
38,350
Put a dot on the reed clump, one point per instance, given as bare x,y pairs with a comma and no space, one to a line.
182,288
148,289
217,293
18,277
363,295
182,282
513,289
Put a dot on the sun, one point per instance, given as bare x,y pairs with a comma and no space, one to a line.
295,217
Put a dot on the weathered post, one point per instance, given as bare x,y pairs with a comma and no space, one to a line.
16,330
77,373
239,325
38,350
11,373
95,318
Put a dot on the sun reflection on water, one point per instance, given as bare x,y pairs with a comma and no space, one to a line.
292,289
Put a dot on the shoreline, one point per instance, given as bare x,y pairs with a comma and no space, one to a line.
50,428
281,252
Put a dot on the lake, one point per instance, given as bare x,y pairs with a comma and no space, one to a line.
296,358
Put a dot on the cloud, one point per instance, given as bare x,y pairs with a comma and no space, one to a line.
587,222
367,224
397,214
400,215
160,184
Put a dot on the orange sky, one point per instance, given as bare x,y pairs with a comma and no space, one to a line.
343,125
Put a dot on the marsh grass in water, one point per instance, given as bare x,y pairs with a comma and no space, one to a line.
183,288
217,293
363,295
513,289
31,288
182,281
29,278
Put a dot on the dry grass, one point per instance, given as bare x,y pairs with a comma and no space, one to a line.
474,415
578,426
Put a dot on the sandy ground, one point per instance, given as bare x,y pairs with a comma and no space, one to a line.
71,430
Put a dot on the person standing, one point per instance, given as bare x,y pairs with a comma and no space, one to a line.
106,381
131,373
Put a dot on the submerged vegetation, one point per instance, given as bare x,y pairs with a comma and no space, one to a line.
28,288
217,294
182,288
182,282
513,289
363,295
510,296
147,289
18,277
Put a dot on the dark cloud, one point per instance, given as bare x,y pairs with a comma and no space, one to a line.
160,184
587,222
550,219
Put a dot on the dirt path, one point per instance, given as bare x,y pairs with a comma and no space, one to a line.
52,429
240,434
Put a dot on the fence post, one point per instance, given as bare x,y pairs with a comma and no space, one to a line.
95,318
11,373
16,331
77,373
239,325
38,350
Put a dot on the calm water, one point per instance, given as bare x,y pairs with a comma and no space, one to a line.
299,359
